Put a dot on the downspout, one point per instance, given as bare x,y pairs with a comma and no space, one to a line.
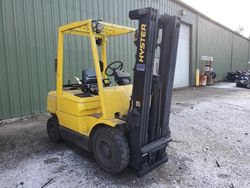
232,51
197,41
248,59
197,71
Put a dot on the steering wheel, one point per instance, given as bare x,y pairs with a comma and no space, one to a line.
112,67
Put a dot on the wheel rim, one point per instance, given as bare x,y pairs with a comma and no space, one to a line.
106,152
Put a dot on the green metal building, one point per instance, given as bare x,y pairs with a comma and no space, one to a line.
28,44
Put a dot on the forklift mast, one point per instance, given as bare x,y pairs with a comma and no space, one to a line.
149,111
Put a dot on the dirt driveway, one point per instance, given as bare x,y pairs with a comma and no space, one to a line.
211,148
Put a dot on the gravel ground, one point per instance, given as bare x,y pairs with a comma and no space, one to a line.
210,148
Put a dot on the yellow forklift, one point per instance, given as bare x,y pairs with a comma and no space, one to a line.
122,124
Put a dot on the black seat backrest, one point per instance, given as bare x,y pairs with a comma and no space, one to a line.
89,76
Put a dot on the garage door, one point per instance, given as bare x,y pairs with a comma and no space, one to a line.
181,77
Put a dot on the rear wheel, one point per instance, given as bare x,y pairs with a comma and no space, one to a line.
53,129
110,148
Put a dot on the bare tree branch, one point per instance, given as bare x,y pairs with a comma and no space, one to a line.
240,29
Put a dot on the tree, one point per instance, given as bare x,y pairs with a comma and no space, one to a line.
240,29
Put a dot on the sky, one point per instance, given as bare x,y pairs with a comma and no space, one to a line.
230,13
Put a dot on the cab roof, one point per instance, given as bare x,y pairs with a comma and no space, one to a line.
87,27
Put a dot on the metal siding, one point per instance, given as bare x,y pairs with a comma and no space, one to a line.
215,41
11,58
240,53
31,56
22,57
248,65
28,43
30,31
4,78
249,50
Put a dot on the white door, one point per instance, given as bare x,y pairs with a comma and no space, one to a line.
181,77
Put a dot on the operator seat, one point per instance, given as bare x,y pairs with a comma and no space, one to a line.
89,81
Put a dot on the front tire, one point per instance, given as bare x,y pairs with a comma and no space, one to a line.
53,129
110,148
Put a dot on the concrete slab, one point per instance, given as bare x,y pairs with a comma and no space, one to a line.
210,148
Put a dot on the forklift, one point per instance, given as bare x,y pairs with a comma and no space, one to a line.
123,124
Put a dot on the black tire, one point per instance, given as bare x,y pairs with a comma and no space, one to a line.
53,129
110,148
238,84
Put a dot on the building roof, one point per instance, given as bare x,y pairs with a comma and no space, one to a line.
208,18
